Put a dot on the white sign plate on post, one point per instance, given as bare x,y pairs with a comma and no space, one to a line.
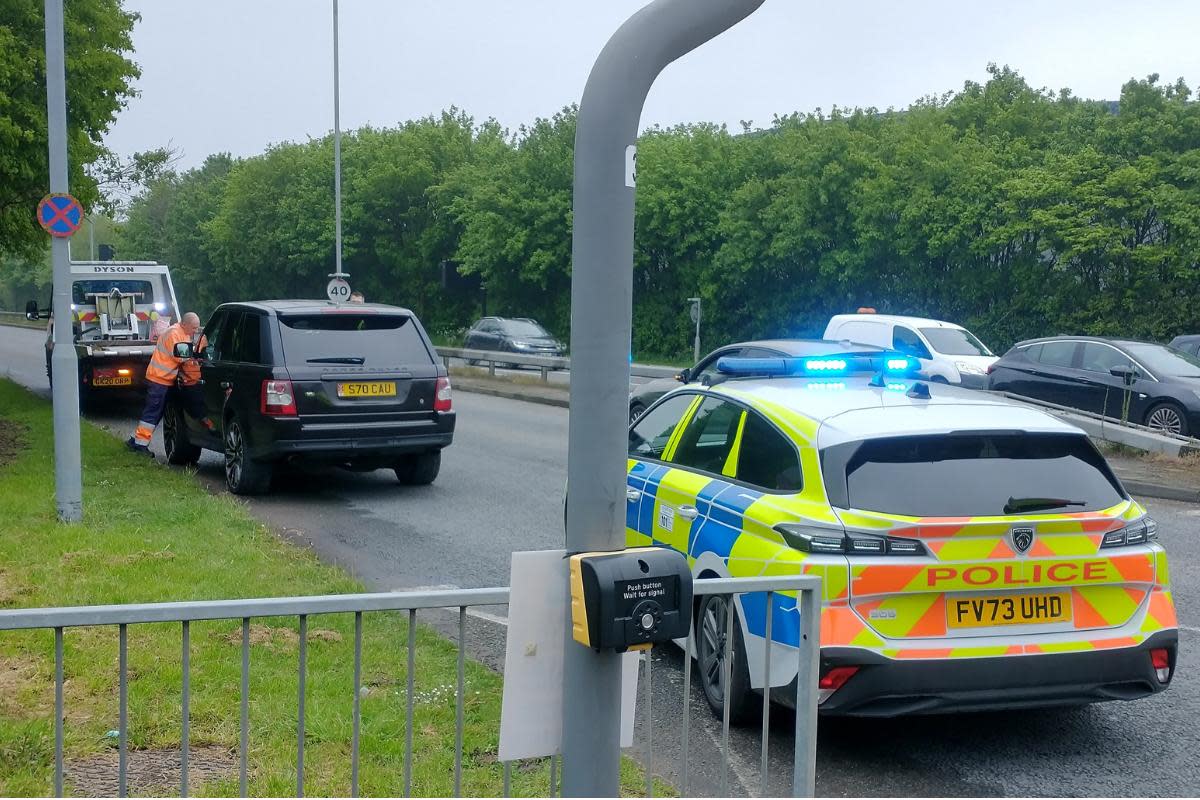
338,290
631,166
532,710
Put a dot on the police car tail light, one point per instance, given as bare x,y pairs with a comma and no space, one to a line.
811,539
278,399
442,400
1161,661
833,680
1140,532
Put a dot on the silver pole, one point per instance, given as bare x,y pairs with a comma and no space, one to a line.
68,477
695,301
337,150
92,236
601,322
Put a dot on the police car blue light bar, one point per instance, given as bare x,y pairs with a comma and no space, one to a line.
819,366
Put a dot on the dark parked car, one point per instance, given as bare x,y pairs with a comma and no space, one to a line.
1189,344
1092,374
513,335
645,394
299,380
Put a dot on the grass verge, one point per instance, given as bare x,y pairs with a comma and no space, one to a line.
153,534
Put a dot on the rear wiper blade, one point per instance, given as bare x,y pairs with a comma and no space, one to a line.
337,360
1017,504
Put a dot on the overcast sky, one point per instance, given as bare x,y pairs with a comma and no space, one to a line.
239,75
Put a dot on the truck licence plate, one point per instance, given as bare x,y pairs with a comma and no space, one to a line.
115,380
1012,609
367,389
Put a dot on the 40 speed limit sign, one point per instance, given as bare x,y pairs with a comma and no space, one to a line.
338,290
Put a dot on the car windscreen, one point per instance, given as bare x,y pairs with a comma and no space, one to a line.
970,474
142,291
380,340
520,327
1165,360
955,342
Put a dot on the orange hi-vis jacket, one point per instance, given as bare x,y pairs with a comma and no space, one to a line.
164,366
190,368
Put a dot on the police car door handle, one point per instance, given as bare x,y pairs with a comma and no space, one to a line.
688,512
633,495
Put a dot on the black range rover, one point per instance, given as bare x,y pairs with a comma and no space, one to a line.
356,386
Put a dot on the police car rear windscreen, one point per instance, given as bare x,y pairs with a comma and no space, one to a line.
970,474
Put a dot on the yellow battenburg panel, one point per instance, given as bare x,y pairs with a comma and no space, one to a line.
979,652
1106,606
906,615
1162,572
677,488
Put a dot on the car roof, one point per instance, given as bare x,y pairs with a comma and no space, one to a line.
808,347
316,307
923,322
850,409
1100,339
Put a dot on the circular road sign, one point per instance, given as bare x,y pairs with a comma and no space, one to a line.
338,290
59,214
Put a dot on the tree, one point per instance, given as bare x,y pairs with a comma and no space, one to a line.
99,75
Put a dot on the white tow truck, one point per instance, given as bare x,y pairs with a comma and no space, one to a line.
118,310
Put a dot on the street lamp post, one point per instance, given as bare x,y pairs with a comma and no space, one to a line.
601,321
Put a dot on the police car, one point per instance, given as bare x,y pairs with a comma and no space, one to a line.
974,553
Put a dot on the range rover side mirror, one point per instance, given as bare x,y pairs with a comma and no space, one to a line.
683,375
184,350
31,311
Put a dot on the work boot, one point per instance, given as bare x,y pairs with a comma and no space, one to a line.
140,449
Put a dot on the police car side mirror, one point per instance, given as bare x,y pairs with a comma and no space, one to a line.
31,311
184,350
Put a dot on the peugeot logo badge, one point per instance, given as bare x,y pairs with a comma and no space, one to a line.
1022,539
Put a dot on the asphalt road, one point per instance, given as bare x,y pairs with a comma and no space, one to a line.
501,490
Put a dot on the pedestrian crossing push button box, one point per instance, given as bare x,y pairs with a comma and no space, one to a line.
630,599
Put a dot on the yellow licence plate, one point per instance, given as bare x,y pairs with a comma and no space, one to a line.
1011,609
120,380
367,389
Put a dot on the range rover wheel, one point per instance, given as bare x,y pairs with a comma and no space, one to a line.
243,475
180,451
419,470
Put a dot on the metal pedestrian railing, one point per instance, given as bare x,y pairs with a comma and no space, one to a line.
185,613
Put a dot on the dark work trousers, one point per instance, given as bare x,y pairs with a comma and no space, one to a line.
152,413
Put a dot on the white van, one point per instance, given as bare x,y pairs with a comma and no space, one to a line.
948,353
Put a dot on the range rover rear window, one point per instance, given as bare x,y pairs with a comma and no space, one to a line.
381,340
